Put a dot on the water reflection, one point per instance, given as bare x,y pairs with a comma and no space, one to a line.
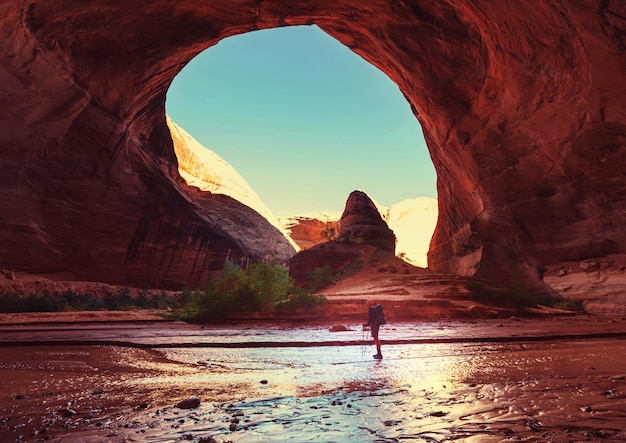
562,390
425,392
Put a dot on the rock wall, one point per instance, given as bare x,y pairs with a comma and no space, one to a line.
311,230
523,106
204,169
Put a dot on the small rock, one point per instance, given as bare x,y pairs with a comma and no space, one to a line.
263,382
618,377
339,328
589,266
19,397
232,427
562,273
98,391
67,412
586,409
189,403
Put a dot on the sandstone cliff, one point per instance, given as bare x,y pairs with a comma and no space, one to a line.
361,229
310,230
412,221
521,104
204,169
361,223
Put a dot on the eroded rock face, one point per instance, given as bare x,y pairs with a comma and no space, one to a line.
412,221
335,255
522,106
204,169
308,231
361,229
361,223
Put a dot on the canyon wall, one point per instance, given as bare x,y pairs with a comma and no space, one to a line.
522,104
204,169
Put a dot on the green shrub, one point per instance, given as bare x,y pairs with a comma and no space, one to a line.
486,293
299,301
320,278
74,301
261,288
517,297
569,305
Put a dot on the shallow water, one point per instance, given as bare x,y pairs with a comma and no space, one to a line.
326,389
555,391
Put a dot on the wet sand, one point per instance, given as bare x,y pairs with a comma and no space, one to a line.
439,381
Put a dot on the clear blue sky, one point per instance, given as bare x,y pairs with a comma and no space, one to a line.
304,120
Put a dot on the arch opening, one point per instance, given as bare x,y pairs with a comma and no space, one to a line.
303,121
523,122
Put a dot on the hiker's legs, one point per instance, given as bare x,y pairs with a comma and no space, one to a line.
375,329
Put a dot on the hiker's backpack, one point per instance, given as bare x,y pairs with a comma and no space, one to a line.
380,315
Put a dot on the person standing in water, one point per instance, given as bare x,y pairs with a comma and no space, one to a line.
375,318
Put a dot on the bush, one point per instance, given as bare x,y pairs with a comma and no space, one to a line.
260,288
320,278
299,301
74,301
489,294
517,297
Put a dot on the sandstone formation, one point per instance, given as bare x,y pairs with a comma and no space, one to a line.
361,229
599,284
311,230
336,255
412,221
522,106
361,223
204,169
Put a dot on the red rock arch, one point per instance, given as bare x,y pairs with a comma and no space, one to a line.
522,106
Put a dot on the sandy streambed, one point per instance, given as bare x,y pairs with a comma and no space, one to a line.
559,390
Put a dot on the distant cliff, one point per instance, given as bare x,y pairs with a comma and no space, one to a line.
204,169
412,221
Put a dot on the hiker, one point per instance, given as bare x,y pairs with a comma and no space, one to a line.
376,317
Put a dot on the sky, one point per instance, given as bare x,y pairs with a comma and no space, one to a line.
304,120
